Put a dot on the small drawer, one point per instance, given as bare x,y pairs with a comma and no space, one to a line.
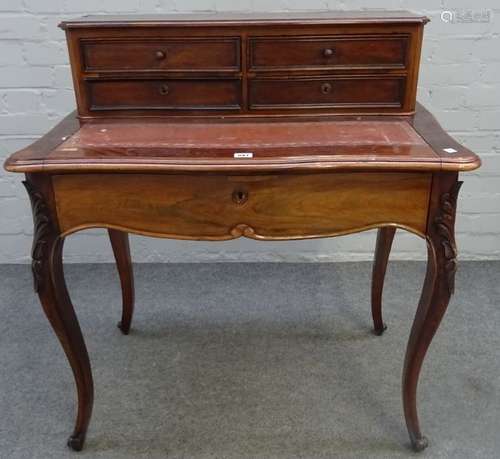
186,54
328,52
309,93
164,94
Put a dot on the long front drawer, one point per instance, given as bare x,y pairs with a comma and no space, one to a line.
324,52
223,207
183,54
165,94
310,92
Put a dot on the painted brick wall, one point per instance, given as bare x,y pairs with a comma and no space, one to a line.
460,83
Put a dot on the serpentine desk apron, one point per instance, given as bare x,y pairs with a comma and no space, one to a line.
272,127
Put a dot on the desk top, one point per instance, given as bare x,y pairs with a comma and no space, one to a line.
250,93
214,145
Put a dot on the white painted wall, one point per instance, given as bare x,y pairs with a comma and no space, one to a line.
460,83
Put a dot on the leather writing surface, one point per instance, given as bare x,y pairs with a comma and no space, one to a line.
392,138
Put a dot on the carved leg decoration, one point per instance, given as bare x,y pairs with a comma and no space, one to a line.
51,288
121,250
385,237
438,287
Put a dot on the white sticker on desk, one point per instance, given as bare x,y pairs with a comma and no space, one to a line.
243,154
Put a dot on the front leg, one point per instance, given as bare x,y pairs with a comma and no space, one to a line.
121,250
50,285
438,287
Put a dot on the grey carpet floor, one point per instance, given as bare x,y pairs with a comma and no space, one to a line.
251,361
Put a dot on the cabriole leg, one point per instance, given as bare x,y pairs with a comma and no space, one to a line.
121,250
438,287
50,285
385,237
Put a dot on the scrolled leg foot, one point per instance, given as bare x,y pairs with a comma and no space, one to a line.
124,330
380,331
75,442
420,444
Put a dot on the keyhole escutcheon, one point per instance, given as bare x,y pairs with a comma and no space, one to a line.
240,196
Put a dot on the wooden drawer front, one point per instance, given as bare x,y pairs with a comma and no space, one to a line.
321,52
164,94
186,54
224,207
323,92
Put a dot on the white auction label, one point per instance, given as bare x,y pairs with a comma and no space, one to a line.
243,154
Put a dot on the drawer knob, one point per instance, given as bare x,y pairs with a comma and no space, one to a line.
328,52
164,89
326,88
160,55
240,196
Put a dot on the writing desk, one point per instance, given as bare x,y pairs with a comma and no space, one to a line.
272,128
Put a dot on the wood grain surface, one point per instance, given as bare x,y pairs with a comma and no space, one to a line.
225,207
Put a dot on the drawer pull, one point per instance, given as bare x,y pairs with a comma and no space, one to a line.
164,89
328,52
160,55
240,196
326,88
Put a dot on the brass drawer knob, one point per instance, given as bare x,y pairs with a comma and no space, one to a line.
164,89
240,196
160,55
328,52
326,88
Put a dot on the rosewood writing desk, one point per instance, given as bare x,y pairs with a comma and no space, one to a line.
271,127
